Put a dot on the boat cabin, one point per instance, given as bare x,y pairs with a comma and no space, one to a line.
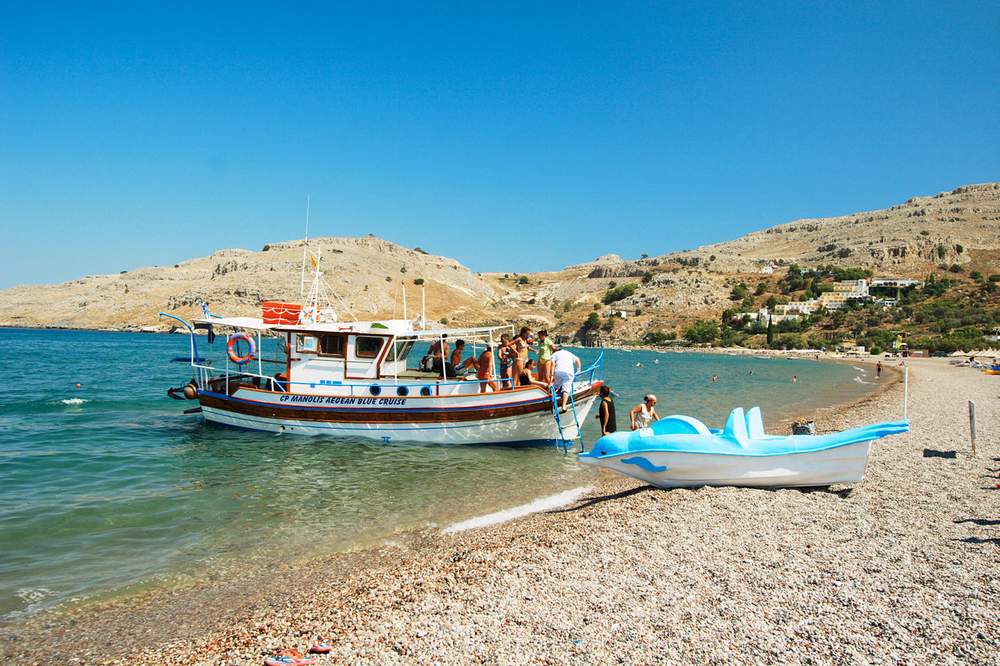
357,358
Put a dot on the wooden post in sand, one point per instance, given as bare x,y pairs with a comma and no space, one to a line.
906,388
972,425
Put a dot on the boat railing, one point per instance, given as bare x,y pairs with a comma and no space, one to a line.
206,373
591,373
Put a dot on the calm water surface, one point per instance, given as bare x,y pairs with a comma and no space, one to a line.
110,486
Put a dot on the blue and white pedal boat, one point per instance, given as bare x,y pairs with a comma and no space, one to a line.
681,451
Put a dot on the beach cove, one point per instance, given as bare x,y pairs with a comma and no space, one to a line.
901,568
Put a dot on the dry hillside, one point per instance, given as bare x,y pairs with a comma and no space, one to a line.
911,239
366,273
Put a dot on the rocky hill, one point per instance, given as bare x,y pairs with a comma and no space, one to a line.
912,239
959,226
655,293
366,273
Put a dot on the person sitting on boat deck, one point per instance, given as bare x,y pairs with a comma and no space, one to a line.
545,356
506,355
520,346
528,378
457,364
484,370
643,415
606,412
566,364
439,352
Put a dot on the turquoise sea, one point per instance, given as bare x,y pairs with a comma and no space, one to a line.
109,487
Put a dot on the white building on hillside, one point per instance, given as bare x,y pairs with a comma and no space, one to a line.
843,292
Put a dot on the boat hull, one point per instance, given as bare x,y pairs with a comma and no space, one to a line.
471,421
676,469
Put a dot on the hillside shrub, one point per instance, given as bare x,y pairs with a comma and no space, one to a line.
659,337
619,293
702,331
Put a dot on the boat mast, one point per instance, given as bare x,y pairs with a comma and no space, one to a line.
305,249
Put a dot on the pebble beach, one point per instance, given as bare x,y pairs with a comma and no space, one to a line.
903,568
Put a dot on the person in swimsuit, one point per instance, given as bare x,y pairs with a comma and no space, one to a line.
506,355
484,370
643,416
457,364
520,347
606,412
545,348
527,376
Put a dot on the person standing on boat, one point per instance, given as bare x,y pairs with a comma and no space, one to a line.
643,415
520,346
606,412
566,365
545,346
484,370
506,355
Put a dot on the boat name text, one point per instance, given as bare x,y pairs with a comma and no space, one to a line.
336,400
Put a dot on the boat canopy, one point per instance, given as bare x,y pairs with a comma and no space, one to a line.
395,327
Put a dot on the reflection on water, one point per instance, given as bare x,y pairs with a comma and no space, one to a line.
112,485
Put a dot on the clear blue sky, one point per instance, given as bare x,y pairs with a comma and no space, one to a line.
520,137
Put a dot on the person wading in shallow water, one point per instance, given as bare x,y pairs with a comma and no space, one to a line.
606,412
643,415
878,370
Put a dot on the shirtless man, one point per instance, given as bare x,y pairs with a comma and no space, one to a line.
484,370
457,364
439,350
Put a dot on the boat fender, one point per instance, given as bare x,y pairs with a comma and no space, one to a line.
190,392
234,356
375,389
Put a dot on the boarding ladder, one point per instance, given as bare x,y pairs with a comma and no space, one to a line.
597,365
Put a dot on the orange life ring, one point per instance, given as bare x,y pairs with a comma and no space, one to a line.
231,348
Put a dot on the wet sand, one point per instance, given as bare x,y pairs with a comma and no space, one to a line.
904,567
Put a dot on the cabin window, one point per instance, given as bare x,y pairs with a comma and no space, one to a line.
400,350
331,345
306,343
367,346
